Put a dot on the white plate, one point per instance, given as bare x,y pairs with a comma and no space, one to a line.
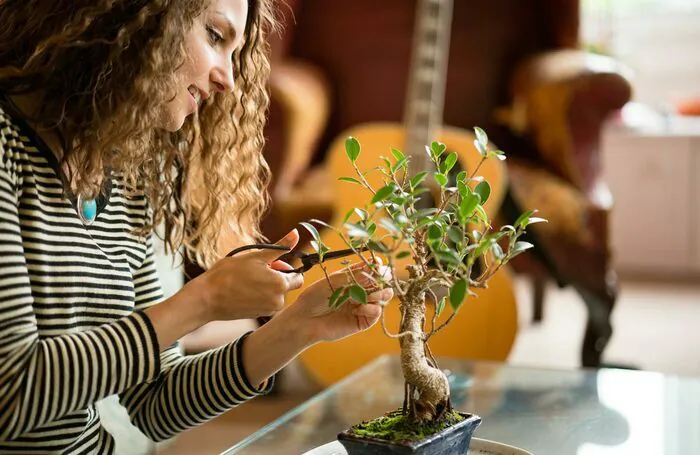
476,447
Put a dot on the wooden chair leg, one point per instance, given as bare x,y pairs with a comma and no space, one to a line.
538,291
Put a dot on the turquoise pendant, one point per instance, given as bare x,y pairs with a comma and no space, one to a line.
87,209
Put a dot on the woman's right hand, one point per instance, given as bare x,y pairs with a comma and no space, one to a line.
247,285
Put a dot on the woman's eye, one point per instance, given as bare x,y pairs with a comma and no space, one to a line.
214,36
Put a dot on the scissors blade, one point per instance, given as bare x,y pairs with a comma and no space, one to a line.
311,260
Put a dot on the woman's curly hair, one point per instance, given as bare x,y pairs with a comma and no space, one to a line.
104,67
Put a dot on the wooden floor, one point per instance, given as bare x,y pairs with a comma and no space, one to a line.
656,328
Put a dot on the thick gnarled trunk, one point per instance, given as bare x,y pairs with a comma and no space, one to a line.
427,391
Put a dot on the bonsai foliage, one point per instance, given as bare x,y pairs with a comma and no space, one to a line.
447,248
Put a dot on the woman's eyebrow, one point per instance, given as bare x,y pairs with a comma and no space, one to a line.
229,24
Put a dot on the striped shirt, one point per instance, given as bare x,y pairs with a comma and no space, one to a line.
72,327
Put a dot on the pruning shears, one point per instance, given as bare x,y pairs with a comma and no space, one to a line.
308,260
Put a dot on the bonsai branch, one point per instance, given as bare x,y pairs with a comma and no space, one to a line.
386,331
440,327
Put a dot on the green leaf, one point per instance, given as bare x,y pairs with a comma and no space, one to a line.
523,219
497,251
434,232
355,230
448,256
397,154
344,297
468,204
320,248
403,254
422,213
482,150
386,162
371,228
352,148
347,216
441,179
390,226
399,165
441,306
484,245
481,136
497,154
535,219
350,179
361,213
449,163
483,189
333,299
457,293
455,234
520,247
383,193
481,213
378,246
312,230
418,179
463,189
358,294
322,223
462,176
437,149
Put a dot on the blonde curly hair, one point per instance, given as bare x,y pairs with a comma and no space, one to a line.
77,54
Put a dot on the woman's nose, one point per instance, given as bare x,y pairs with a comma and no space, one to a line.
222,78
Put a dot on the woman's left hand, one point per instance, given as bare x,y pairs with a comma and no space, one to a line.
323,323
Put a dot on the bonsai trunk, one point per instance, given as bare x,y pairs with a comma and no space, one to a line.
427,388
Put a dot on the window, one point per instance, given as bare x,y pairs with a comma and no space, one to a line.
657,39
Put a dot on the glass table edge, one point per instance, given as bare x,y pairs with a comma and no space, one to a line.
306,404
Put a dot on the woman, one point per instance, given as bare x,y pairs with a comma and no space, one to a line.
106,108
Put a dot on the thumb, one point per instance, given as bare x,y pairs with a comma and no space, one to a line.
289,241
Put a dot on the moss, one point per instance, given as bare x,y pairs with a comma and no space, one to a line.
396,427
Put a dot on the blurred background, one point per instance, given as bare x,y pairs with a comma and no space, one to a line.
597,105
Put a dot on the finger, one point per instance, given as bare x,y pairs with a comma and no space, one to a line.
367,315
288,241
293,280
280,266
383,295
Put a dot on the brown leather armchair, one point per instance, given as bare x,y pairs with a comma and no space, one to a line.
515,69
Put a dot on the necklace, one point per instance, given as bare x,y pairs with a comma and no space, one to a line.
87,210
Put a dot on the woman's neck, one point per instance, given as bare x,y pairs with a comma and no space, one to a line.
27,105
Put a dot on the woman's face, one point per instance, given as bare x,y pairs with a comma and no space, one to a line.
208,67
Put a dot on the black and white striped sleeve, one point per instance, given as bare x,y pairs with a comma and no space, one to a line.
189,390
43,379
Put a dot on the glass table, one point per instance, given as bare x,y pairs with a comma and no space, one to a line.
548,412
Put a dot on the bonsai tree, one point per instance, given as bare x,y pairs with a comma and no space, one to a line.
447,247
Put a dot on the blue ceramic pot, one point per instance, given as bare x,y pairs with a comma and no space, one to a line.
450,441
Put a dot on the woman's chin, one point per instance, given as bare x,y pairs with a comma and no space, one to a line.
174,123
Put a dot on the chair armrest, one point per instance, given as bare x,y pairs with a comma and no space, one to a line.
567,66
560,101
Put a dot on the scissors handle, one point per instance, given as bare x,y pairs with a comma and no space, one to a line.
258,246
